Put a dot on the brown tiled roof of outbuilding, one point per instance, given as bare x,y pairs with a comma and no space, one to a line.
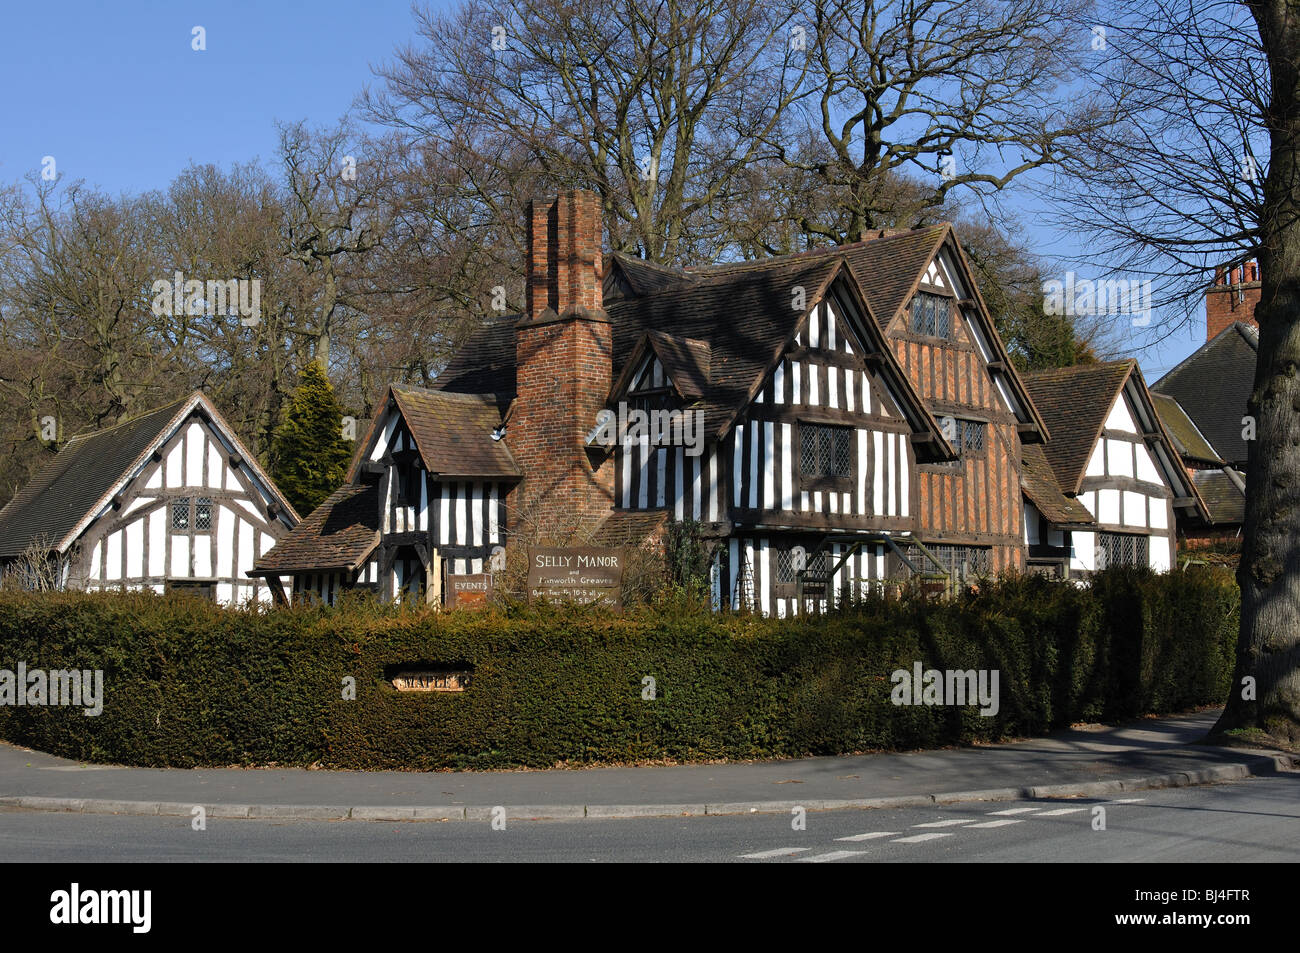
1039,483
339,534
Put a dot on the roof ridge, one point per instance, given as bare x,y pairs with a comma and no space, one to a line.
86,435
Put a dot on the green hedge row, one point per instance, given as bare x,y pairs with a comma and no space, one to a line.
188,684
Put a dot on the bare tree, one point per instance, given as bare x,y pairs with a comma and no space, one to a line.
333,217
961,96
1199,169
657,106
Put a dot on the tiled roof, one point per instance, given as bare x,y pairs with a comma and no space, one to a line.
76,479
1223,493
685,360
628,528
1074,401
454,432
339,534
486,363
1192,445
1213,386
741,312
633,277
1039,483
68,490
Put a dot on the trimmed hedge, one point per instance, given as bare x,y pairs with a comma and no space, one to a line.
188,684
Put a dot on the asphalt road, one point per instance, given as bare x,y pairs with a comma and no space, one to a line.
1248,821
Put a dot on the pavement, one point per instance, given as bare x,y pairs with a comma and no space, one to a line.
1088,761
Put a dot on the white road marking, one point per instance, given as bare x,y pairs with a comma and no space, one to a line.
833,855
1062,810
1002,823
871,836
1014,810
1128,800
779,852
952,823
918,838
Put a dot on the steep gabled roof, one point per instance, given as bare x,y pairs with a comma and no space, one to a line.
452,431
339,534
1076,401
889,269
70,491
1213,386
1038,481
743,312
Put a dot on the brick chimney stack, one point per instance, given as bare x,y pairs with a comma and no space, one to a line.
564,370
1233,297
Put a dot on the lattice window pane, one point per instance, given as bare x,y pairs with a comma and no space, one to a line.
203,514
932,315
974,437
808,451
181,513
842,460
784,565
1122,549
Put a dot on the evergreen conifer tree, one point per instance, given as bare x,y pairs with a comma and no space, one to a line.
309,457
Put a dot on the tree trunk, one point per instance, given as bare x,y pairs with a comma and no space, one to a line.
1268,649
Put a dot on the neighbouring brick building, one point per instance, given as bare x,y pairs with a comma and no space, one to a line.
1204,399
830,420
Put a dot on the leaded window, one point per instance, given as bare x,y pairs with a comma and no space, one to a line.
181,513
970,436
203,514
932,315
826,451
1122,549
960,562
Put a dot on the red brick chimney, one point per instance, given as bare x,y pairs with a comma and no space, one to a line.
1233,297
564,369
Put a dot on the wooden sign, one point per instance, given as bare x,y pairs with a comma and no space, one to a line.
422,681
576,574
465,591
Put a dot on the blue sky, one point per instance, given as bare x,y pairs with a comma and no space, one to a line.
115,93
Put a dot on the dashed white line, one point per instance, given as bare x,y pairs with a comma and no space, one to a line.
1014,810
918,838
778,852
1062,810
871,836
1128,800
833,855
1002,823
952,823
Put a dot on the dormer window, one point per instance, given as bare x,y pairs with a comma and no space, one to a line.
932,315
